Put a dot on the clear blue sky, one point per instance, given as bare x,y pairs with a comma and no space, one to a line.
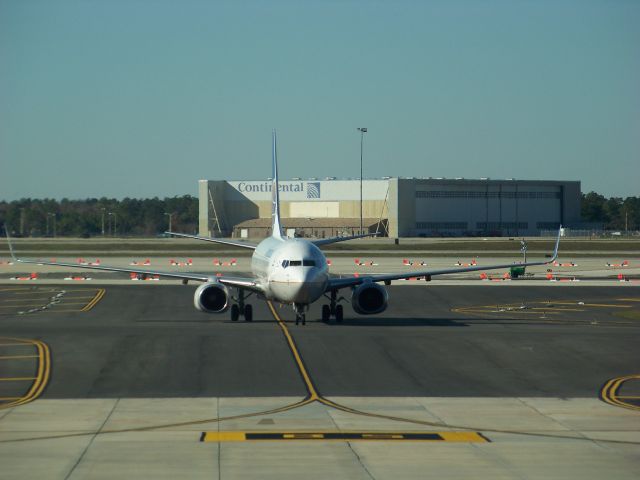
143,98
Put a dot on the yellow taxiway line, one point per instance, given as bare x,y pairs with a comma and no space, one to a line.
43,372
609,392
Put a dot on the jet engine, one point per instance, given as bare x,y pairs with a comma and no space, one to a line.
212,298
369,299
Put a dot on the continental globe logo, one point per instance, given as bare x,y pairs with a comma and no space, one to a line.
313,190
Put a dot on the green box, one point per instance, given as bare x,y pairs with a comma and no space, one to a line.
517,272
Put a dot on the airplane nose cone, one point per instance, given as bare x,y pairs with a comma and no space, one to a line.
304,286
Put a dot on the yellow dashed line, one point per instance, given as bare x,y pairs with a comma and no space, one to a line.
552,309
11,300
62,303
22,305
15,357
56,310
607,305
35,292
517,311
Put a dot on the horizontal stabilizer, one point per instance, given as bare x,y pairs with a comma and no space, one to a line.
327,241
233,243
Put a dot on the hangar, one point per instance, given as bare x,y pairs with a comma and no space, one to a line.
394,207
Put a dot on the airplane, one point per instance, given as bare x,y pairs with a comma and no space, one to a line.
290,271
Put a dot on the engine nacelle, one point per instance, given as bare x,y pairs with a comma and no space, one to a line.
369,299
212,298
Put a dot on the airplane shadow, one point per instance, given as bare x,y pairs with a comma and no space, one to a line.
397,322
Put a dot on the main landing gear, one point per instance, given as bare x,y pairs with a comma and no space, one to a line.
332,309
241,309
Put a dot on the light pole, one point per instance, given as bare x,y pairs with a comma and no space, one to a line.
169,215
362,131
54,223
103,221
115,223
22,221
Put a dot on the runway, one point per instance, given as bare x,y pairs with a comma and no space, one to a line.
470,364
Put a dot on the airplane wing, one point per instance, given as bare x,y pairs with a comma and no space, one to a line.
233,243
327,241
338,283
240,282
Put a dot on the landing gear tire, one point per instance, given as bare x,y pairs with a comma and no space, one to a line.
248,313
339,313
235,313
301,317
326,313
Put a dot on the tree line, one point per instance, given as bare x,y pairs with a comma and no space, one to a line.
97,217
613,213
150,216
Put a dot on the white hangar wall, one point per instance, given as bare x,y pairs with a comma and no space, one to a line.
412,207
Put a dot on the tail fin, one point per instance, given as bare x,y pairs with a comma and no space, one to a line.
276,227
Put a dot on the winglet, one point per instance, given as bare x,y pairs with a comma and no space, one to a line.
13,255
276,226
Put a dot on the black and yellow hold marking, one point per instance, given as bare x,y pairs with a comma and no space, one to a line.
42,375
345,436
610,393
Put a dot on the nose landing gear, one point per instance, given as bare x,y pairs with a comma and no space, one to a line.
300,310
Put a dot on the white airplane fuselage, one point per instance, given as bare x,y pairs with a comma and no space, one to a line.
292,270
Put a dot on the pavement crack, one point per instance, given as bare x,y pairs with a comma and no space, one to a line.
554,420
93,437
360,461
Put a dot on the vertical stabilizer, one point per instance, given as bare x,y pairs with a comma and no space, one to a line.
276,227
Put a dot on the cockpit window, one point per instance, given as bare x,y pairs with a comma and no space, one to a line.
298,263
